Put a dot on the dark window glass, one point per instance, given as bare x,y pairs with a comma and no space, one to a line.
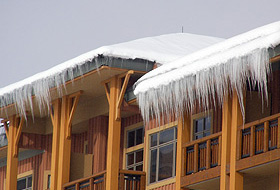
29,184
165,162
139,168
153,166
130,159
49,181
199,125
139,136
162,152
139,156
21,184
154,140
166,136
208,123
131,138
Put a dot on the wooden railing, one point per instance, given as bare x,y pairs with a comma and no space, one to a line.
202,154
94,182
132,180
128,180
259,136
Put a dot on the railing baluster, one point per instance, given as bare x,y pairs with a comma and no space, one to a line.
278,133
220,150
208,153
252,143
91,184
77,186
195,158
122,183
266,125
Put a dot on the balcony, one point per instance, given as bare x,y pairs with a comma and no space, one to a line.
128,180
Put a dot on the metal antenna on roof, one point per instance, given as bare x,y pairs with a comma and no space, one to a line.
182,29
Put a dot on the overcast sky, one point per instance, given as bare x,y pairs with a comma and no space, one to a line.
36,35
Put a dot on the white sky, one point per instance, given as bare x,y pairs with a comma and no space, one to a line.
36,35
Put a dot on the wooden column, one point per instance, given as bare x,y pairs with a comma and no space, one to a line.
236,178
55,117
13,134
68,107
183,136
114,133
225,153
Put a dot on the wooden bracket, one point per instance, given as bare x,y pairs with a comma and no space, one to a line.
71,109
18,134
122,92
107,92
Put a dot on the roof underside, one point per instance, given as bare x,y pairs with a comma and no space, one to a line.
211,72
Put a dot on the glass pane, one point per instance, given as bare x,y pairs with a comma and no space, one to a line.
139,168
153,166
198,125
130,159
165,136
207,133
131,138
49,181
21,184
29,182
198,136
139,156
176,132
139,136
208,123
154,140
165,162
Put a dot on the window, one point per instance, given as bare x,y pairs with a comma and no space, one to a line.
162,155
202,125
49,182
134,146
24,183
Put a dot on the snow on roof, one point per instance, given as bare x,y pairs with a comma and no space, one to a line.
160,49
174,87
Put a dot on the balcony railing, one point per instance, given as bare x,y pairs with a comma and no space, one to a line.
259,136
128,180
203,153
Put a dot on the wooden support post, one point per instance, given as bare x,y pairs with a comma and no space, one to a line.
114,134
68,106
265,134
236,179
225,144
252,141
14,132
55,112
278,135
183,136
195,163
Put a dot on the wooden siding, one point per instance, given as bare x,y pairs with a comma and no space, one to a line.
78,142
97,142
166,187
38,163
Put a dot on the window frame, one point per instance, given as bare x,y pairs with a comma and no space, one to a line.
26,174
147,157
133,148
200,116
46,174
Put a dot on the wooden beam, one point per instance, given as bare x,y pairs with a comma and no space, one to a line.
226,133
122,92
236,179
107,92
67,111
114,133
55,117
14,133
183,136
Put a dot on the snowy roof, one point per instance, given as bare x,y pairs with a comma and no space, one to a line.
160,49
174,87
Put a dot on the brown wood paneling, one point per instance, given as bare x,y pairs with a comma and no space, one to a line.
78,142
38,163
97,142
166,187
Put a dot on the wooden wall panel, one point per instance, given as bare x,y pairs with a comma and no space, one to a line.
97,142
78,142
275,90
38,163
166,187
